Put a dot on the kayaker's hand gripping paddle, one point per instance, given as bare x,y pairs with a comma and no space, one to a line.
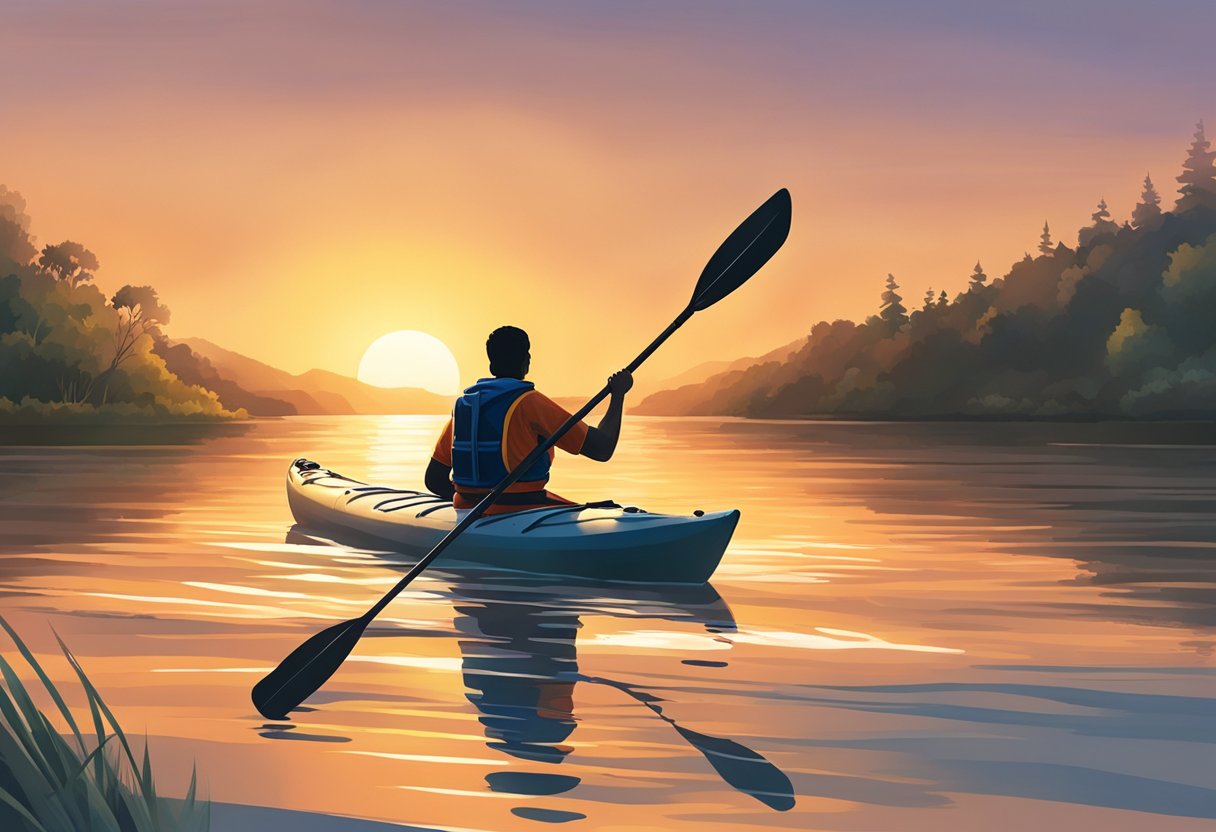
739,257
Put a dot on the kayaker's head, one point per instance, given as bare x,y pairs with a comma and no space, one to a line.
508,348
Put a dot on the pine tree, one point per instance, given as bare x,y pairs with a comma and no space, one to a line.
892,310
978,278
928,298
1102,225
1198,174
1045,246
943,299
1147,210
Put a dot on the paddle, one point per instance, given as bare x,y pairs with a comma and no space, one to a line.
739,257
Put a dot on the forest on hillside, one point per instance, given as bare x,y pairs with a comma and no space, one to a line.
69,353
1123,325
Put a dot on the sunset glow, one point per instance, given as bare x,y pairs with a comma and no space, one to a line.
563,170
410,359
899,518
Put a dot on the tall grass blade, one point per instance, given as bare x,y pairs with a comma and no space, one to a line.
46,681
15,804
21,776
98,707
10,710
50,784
193,790
149,787
68,781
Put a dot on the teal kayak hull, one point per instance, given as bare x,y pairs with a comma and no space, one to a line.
602,542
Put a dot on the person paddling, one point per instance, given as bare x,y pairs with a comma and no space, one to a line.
498,421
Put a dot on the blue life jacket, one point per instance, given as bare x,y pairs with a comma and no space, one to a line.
479,424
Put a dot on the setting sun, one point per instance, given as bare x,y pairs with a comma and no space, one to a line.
408,358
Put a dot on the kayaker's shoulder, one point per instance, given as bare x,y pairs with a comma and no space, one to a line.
536,400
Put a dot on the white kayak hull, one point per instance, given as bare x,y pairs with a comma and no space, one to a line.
596,541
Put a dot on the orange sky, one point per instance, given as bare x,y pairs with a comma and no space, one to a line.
299,179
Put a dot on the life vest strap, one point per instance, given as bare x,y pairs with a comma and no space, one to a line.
474,424
506,427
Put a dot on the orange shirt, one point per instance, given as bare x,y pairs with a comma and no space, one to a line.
532,417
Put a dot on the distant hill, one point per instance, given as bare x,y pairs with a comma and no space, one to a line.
248,372
639,398
685,394
693,375
193,368
366,398
316,392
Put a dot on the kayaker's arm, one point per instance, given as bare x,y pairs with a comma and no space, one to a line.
601,440
439,480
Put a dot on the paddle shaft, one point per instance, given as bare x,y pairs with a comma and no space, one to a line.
480,509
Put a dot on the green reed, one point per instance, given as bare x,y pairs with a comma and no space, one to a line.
53,783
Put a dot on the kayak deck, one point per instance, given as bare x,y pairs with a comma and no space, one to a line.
601,541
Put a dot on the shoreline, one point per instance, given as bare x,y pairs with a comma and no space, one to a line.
844,418
181,432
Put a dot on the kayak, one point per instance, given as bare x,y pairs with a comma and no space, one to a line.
598,541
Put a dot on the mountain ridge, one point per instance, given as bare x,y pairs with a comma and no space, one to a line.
316,391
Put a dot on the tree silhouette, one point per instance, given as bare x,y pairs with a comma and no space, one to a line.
70,262
1147,210
15,246
1045,246
892,310
1102,225
1198,175
943,299
978,278
928,299
12,208
139,311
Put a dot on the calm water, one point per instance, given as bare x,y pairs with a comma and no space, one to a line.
916,627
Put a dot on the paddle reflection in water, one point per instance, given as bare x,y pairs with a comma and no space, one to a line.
520,665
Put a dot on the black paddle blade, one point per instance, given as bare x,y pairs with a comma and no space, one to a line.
743,253
307,668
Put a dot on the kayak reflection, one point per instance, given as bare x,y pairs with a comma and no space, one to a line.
520,659
520,665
